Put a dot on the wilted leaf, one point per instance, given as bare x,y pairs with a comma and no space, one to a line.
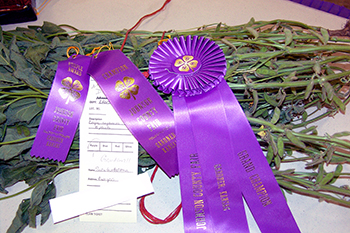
9,151
23,113
30,77
44,205
21,220
37,53
16,56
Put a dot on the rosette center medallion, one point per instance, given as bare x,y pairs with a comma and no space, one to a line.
186,65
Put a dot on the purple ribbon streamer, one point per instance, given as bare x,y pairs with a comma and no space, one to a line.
223,136
194,197
258,184
140,107
63,109
203,119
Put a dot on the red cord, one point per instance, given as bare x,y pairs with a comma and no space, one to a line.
152,219
140,20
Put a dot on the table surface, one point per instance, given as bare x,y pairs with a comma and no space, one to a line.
310,214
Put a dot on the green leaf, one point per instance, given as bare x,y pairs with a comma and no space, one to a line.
21,220
280,147
341,134
325,34
328,177
252,31
217,29
270,100
304,116
44,205
7,152
30,77
277,160
276,115
272,143
147,42
309,88
260,112
320,173
269,155
296,141
337,173
339,103
16,56
37,53
289,36
329,90
251,22
24,113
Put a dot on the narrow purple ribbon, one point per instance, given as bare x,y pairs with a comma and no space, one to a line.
230,158
140,107
63,109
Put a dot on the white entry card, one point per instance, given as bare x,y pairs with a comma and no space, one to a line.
108,154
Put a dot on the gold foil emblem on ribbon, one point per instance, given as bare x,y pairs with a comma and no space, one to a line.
127,88
70,91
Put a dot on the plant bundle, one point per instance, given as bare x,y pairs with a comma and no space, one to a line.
286,75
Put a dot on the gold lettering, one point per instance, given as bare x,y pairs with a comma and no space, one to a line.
260,190
112,72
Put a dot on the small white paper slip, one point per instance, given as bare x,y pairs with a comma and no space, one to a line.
108,153
75,204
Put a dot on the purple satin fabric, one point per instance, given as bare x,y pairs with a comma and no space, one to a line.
63,110
223,136
258,184
194,196
202,117
144,113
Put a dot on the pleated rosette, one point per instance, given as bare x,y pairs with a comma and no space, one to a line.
187,66
219,158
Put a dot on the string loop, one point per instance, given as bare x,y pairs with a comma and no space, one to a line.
76,49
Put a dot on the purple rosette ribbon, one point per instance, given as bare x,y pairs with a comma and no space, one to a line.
220,160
